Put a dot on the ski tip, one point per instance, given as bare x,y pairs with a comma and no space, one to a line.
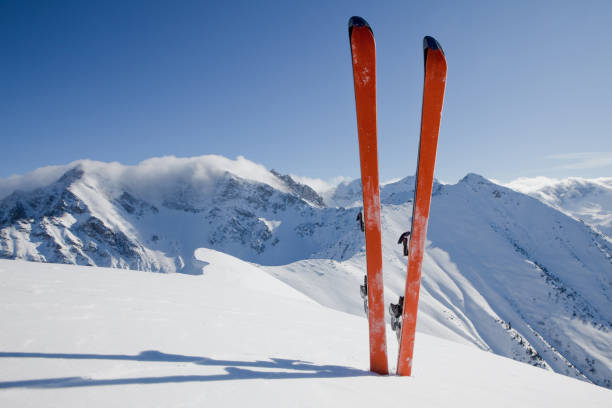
356,21
430,43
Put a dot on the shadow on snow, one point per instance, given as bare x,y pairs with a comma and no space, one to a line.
233,370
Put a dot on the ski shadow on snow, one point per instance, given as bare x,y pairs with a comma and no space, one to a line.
234,370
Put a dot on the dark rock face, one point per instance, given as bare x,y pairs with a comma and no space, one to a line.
300,190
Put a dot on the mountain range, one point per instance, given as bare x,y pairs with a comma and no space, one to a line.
527,276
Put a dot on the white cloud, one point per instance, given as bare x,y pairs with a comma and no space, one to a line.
530,184
151,178
33,180
583,160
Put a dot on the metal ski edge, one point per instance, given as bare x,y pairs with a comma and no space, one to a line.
357,21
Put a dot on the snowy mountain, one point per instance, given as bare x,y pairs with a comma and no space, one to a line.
153,216
589,200
74,336
503,272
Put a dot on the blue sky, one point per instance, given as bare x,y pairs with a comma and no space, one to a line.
528,90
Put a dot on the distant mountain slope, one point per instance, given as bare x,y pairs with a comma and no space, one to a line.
503,271
589,200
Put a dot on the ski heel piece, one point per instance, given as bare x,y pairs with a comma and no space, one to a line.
360,220
395,310
363,290
403,239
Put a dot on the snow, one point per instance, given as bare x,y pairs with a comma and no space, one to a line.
233,336
589,200
502,272
270,224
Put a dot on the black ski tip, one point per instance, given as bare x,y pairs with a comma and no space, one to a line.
430,43
357,21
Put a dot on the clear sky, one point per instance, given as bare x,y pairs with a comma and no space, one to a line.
528,89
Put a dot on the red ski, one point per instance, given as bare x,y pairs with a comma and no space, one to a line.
433,98
363,52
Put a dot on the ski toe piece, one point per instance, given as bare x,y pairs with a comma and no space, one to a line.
395,310
363,290
403,239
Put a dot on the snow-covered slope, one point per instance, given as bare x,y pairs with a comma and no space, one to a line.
589,200
233,337
503,272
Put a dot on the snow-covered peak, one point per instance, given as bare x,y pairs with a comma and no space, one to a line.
347,194
401,191
476,179
150,178
303,191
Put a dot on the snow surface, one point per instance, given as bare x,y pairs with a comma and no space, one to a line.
76,336
589,200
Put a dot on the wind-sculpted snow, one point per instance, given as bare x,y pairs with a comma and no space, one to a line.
502,271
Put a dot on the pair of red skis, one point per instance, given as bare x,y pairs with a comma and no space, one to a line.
363,51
